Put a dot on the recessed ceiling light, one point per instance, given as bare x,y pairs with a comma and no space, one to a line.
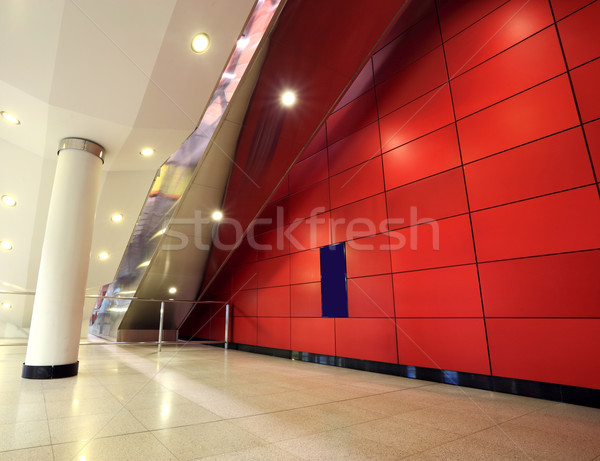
217,215
103,255
10,118
6,245
147,151
8,200
7,306
117,217
200,43
172,290
288,98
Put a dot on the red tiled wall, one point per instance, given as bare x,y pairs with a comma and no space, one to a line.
483,116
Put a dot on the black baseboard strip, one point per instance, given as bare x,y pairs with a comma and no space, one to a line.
50,371
548,391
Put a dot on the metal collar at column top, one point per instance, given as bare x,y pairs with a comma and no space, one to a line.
82,144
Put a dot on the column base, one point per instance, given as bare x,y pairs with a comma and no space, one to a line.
50,371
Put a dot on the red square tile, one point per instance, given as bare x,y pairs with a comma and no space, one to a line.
357,183
426,114
368,256
564,285
313,335
567,221
318,143
561,351
274,302
585,80
447,344
592,132
426,156
359,219
308,172
309,202
306,300
352,117
370,296
270,244
580,35
280,191
366,339
563,8
274,332
539,112
313,232
457,15
244,277
305,266
244,303
363,83
273,272
447,242
534,169
523,66
414,81
446,292
437,197
359,147
506,26
244,330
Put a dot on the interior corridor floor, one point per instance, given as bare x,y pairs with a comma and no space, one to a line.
202,402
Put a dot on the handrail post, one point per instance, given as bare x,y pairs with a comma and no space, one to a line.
227,326
160,325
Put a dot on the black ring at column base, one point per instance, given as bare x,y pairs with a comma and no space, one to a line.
50,371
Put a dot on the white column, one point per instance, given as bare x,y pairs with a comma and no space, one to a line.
53,346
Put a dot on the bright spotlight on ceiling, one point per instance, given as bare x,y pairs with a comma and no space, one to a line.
10,118
288,98
217,215
200,43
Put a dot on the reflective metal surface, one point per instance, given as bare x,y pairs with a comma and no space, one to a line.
174,177
84,145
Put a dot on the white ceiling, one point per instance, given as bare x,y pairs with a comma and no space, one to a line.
120,73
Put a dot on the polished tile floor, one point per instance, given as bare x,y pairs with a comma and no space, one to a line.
201,402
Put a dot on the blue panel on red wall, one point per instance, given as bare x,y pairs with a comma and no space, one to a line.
334,291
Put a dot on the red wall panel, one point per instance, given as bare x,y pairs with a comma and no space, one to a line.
368,256
367,339
313,335
274,332
318,143
308,172
506,26
359,219
357,183
310,233
306,300
422,116
585,81
563,8
437,197
564,285
352,117
370,296
536,113
244,330
580,35
424,157
532,61
309,202
447,292
592,132
449,344
305,267
534,169
244,277
270,244
567,221
273,272
561,351
359,147
455,16
414,81
440,243
274,302
245,303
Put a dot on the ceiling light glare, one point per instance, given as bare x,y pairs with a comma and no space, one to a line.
200,43
288,98
10,118
144,264
8,201
6,245
117,217
172,290
147,152
217,215
103,255
7,306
